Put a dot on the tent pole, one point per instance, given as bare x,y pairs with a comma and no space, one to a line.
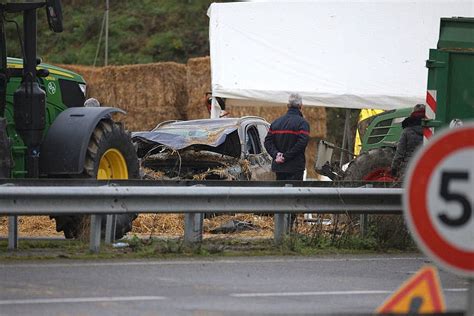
106,58
344,136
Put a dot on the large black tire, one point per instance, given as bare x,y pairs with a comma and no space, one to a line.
373,165
108,136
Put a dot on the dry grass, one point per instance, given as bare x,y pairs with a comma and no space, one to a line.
32,226
173,224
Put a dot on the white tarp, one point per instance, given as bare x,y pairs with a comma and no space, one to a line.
352,54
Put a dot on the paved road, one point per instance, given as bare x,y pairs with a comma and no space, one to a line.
257,285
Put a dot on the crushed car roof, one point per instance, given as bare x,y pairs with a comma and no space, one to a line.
206,134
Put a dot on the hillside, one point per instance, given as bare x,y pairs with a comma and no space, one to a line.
140,31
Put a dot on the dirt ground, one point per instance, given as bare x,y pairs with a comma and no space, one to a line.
154,225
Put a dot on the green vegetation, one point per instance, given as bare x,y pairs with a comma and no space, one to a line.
140,31
296,244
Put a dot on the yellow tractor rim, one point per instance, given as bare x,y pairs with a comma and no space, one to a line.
112,165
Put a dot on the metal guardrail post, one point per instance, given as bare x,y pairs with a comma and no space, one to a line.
364,220
12,232
110,227
193,223
96,223
364,224
281,223
193,226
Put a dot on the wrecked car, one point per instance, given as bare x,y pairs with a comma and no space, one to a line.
207,149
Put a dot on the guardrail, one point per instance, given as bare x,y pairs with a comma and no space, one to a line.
193,201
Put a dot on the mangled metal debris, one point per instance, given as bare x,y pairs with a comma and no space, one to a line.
218,149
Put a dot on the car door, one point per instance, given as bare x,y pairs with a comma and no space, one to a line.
254,151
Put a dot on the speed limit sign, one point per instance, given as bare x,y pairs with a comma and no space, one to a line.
439,197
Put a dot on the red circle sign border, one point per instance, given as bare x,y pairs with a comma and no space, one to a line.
416,198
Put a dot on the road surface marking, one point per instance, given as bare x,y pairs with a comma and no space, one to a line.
455,290
80,300
193,262
324,293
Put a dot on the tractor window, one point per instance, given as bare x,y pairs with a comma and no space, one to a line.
379,132
71,93
253,141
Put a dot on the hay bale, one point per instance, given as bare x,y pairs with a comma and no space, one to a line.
198,81
316,116
310,155
87,72
268,113
149,93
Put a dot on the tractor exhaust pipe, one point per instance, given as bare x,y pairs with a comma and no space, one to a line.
30,100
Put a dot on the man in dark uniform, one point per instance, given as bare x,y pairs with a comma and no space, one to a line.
286,141
410,139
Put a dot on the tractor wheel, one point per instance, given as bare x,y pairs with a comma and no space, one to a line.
373,165
110,155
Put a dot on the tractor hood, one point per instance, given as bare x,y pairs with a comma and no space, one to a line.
216,135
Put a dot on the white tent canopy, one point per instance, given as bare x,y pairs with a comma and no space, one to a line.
350,54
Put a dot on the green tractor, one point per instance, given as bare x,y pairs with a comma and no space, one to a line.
45,129
450,102
379,137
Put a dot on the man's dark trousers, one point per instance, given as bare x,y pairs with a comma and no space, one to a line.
289,175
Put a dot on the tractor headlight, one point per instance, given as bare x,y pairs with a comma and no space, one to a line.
91,103
82,86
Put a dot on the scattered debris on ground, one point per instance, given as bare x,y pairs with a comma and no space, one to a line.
233,226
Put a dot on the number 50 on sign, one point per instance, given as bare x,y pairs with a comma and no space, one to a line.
439,197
